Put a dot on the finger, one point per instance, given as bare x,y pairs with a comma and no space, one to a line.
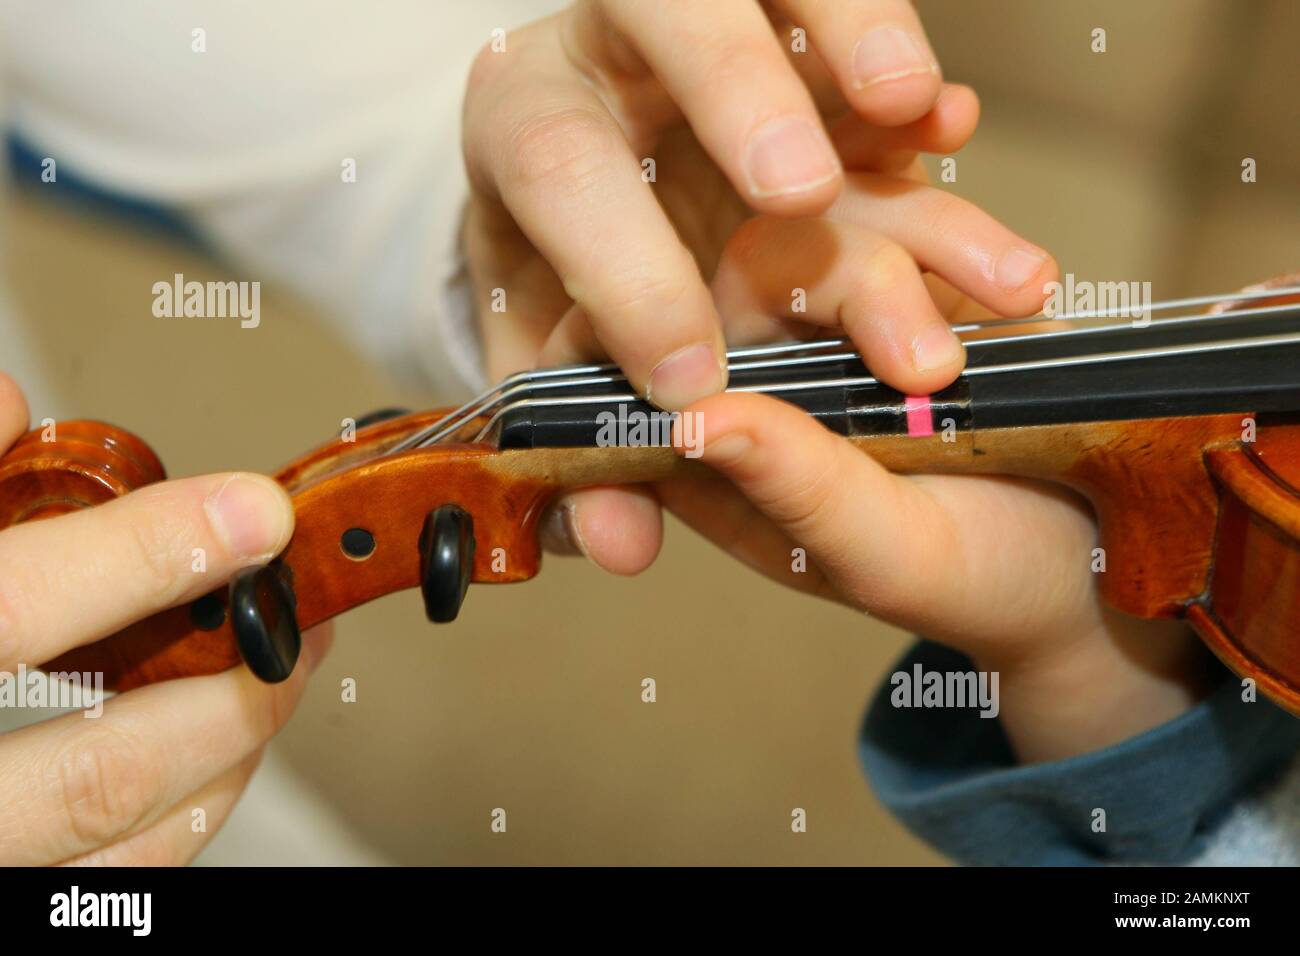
90,782
711,506
618,529
891,149
878,53
867,529
822,86
540,140
498,256
181,833
954,238
723,66
13,412
82,576
846,276
572,341
953,557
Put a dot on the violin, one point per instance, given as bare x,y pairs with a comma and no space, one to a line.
1183,432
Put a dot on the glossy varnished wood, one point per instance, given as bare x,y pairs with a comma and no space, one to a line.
70,465
1250,615
1146,479
1157,487
339,486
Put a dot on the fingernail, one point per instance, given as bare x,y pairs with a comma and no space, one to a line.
889,53
685,376
789,155
728,449
573,529
1016,267
249,515
560,533
935,347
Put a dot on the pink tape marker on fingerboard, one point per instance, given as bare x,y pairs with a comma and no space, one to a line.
920,423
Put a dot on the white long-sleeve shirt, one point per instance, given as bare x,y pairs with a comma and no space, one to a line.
246,118
248,142
242,118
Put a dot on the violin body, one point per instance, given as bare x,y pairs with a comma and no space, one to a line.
1251,615
1199,509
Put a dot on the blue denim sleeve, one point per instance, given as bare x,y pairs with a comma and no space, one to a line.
950,776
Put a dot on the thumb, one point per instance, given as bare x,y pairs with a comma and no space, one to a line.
877,536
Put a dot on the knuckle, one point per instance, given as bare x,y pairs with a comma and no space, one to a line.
13,602
734,62
799,503
948,215
104,780
885,269
752,241
565,149
153,556
645,293
27,601
887,263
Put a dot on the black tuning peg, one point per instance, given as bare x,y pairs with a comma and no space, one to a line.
263,613
446,561
381,415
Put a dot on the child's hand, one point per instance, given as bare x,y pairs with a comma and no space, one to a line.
595,260
121,788
997,568
566,218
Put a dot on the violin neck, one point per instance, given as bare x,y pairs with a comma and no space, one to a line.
1176,369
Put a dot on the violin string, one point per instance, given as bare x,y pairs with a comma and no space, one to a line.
1095,358
609,369
452,424
1173,321
1126,312
608,372
518,392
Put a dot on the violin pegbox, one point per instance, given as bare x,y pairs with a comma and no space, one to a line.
368,522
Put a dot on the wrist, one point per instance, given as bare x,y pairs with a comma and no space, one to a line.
1116,681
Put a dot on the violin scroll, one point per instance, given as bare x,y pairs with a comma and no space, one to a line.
66,466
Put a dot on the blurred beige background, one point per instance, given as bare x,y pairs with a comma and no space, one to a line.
1125,164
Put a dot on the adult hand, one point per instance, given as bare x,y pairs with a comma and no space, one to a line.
121,788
